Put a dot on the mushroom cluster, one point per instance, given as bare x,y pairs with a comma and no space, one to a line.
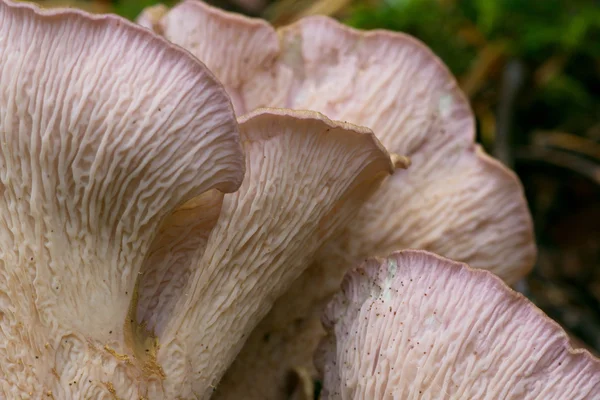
180,200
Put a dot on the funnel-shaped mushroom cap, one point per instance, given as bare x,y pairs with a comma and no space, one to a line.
453,200
418,326
105,128
306,176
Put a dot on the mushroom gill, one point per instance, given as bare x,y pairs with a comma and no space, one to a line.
454,200
412,326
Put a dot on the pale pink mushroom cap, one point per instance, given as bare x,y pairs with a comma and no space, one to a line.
306,177
453,200
419,326
127,270
105,129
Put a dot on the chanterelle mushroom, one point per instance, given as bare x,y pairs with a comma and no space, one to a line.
418,326
454,200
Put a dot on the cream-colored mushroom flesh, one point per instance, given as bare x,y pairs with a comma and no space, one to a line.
306,176
454,200
105,129
409,327
169,265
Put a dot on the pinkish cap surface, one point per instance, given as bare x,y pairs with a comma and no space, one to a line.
105,128
306,176
453,200
418,326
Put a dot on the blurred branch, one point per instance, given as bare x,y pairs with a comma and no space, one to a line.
486,60
557,158
512,81
568,142
549,69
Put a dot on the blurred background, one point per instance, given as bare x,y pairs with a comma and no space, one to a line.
532,71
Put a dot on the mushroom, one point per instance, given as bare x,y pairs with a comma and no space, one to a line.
410,327
104,130
396,86
454,200
306,175
128,267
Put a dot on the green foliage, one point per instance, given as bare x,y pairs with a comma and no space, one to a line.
536,27
132,8
531,28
